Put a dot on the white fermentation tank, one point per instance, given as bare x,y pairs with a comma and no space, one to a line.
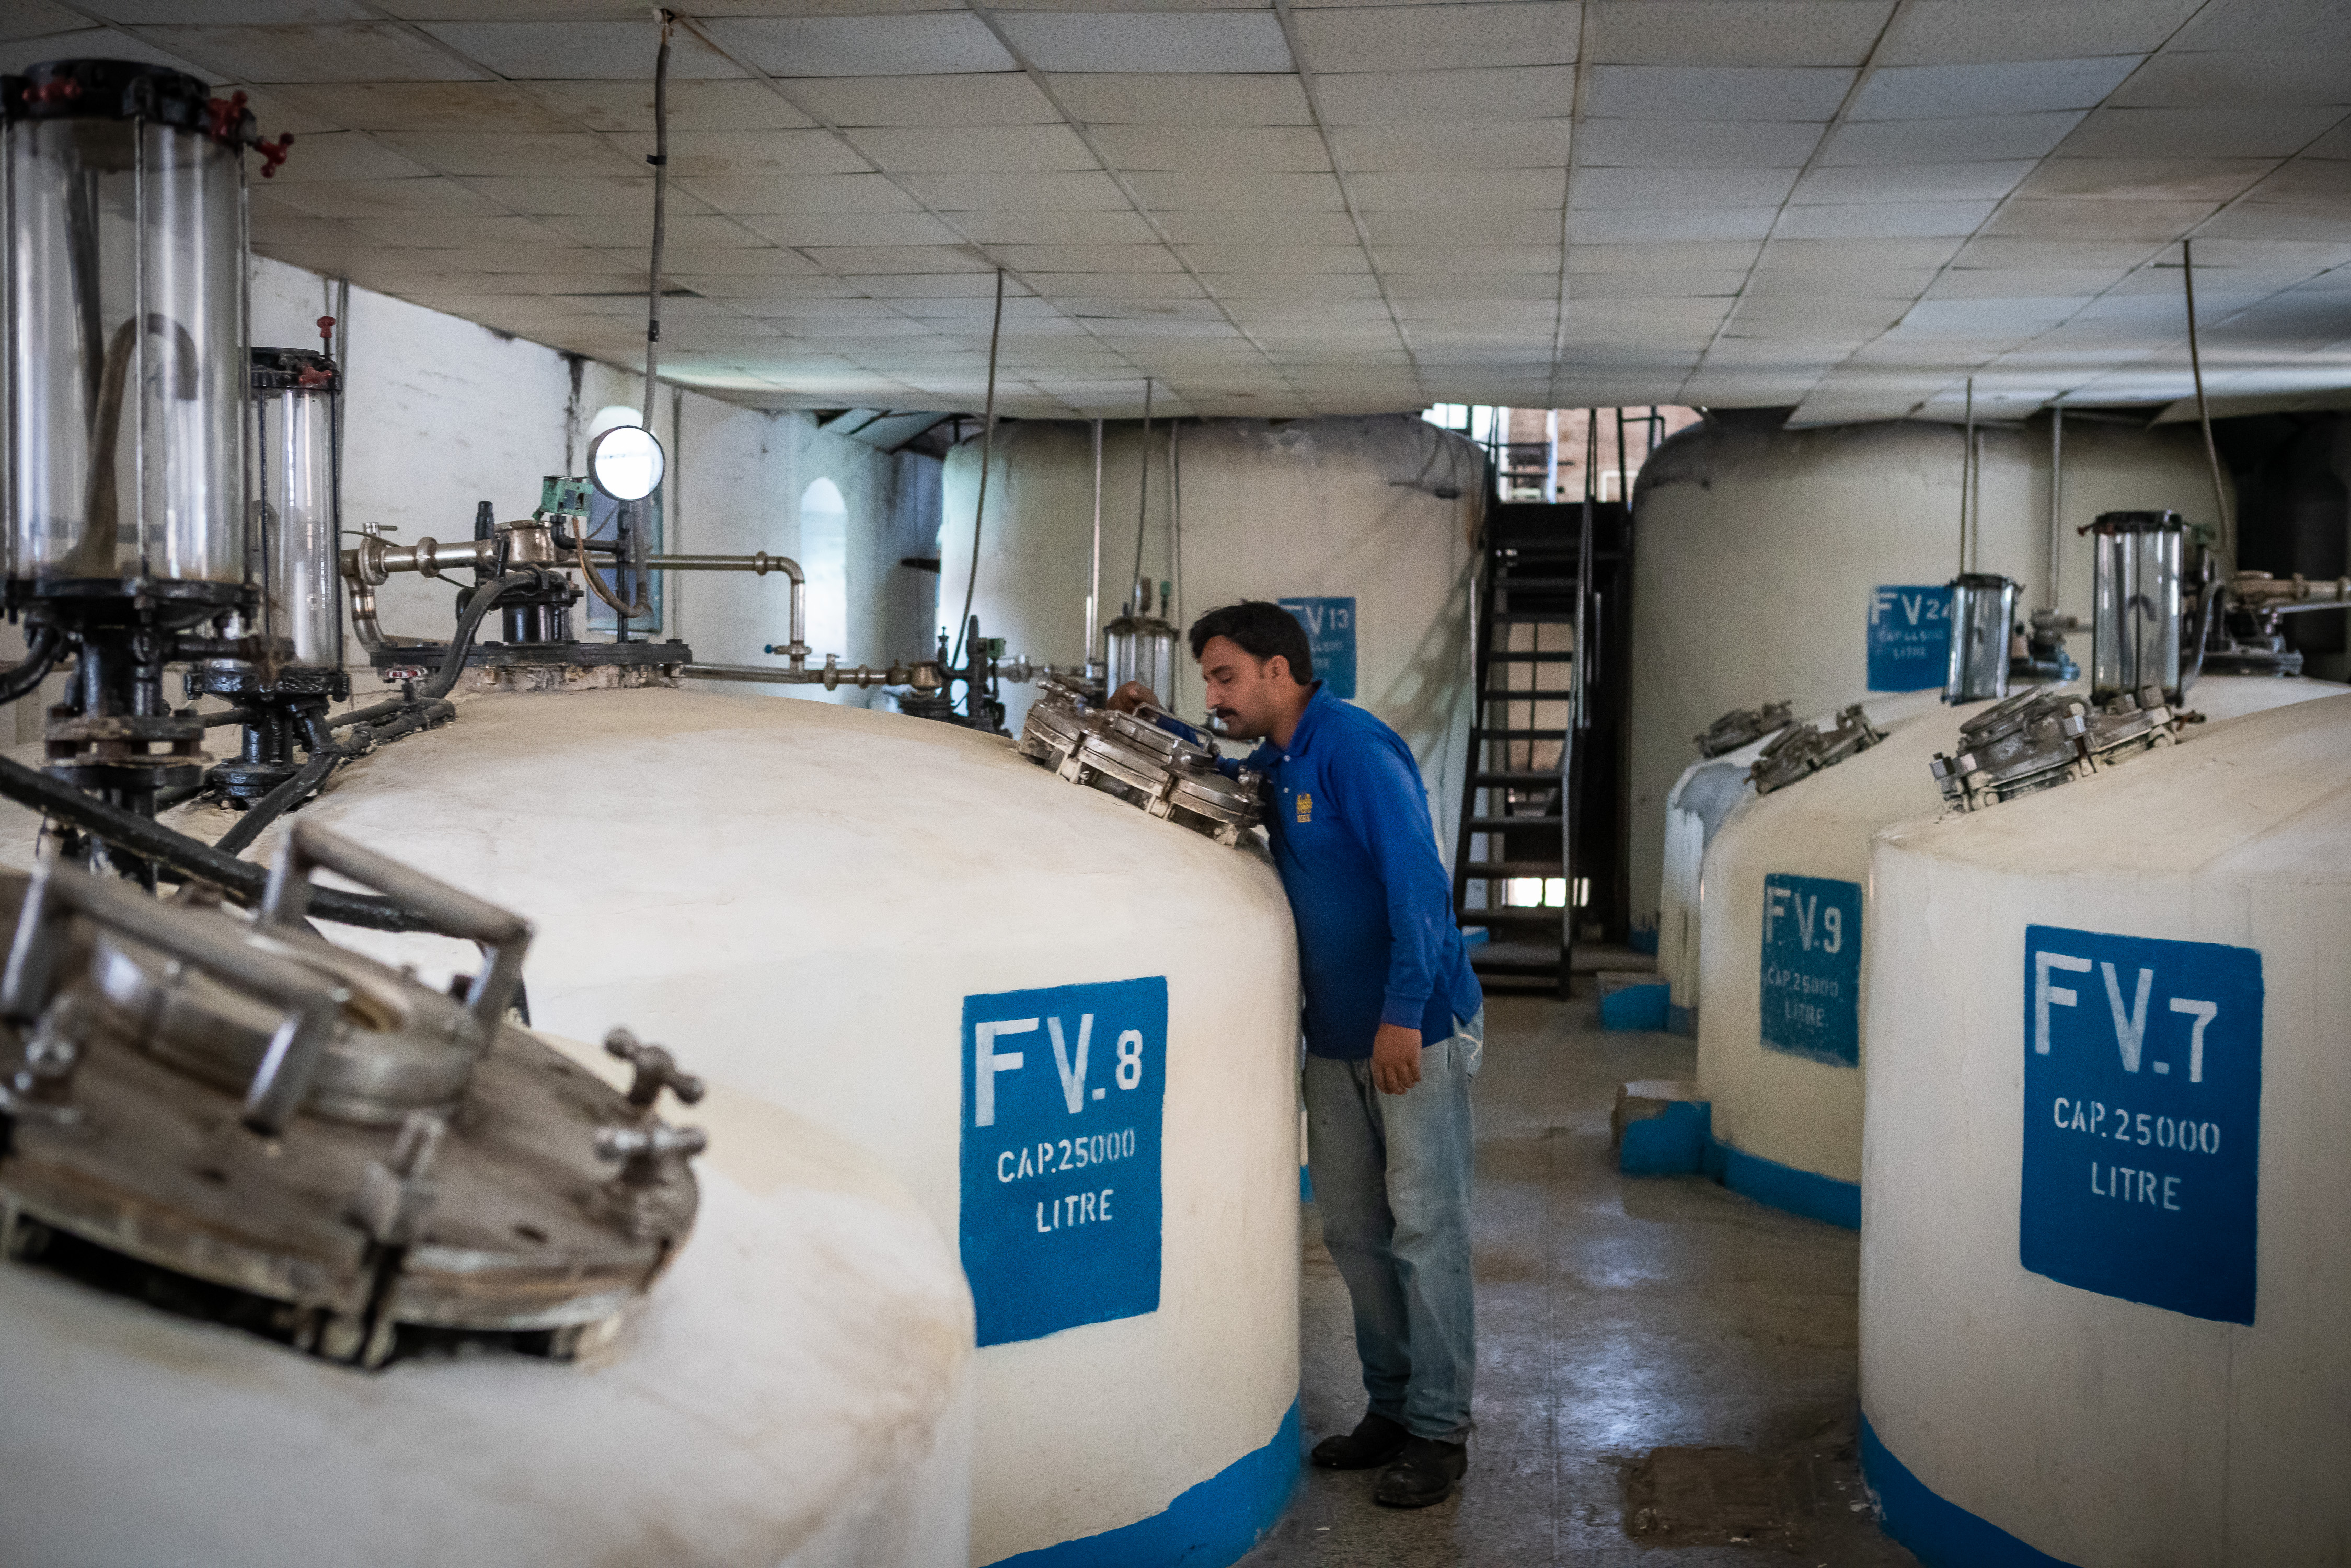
1782,1047
2105,1289
1069,1029
1364,528
1808,566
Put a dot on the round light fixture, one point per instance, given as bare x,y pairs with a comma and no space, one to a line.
626,462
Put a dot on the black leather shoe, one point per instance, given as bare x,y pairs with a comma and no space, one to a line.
1423,1474
1374,1441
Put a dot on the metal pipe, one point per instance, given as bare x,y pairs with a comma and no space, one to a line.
2203,411
832,677
761,563
1966,464
1093,575
2284,595
2056,497
659,161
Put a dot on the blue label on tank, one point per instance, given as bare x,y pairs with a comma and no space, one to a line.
1062,1094
2143,1119
1909,638
1812,968
1331,637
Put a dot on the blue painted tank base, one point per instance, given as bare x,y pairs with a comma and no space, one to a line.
1210,1525
1940,1533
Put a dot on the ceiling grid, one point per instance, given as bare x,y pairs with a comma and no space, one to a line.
1290,208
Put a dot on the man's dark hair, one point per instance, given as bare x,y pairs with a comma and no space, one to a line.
1261,630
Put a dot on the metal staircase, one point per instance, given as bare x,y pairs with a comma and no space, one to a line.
1526,847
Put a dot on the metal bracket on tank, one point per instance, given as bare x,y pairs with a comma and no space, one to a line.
1803,751
2043,738
1148,758
244,1124
1741,725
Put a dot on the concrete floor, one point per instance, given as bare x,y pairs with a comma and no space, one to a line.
1666,1371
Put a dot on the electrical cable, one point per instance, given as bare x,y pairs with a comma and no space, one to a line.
659,159
986,460
2203,412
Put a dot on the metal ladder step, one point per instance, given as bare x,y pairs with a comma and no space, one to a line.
1523,778
1506,825
1519,869
1484,733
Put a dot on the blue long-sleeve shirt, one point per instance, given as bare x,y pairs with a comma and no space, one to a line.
1353,840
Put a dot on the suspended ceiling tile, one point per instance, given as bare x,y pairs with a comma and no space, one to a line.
1210,150
1720,143
359,51
2306,257
2145,179
497,153
31,48
450,234
2270,25
1981,182
1466,261
1715,92
1448,98
1885,220
854,229
1527,189
1494,286
2309,182
1603,188
2335,143
1850,283
2116,254
921,44
1322,258
1223,193
812,289
2047,282
1642,225
1671,283
1033,259
804,194
1712,256
849,260
615,196
1416,38
1986,137
1741,32
1075,287
269,230
985,149
343,156
1464,225
1264,228
688,231
1871,315
2278,220
1522,144
529,258
1944,92
1065,189
2271,132
682,261
1943,32
1990,316
1295,286
2097,219
1149,41
1837,255
39,19
2240,77
928,285
1182,99
693,105
580,50
987,98
426,106
732,154
431,197
1056,228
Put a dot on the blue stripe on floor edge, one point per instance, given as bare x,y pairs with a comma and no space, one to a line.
1210,1525
1940,1532
1808,1193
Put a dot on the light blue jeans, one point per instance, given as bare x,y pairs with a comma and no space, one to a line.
1391,1175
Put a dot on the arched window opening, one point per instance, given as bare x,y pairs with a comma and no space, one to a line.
824,557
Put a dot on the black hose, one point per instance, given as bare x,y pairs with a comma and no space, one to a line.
274,805
41,651
189,857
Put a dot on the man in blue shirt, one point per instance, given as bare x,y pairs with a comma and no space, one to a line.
1395,1029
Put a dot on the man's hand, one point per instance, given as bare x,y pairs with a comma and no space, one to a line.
1132,696
1395,1059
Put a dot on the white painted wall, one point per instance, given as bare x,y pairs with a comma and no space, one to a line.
441,413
